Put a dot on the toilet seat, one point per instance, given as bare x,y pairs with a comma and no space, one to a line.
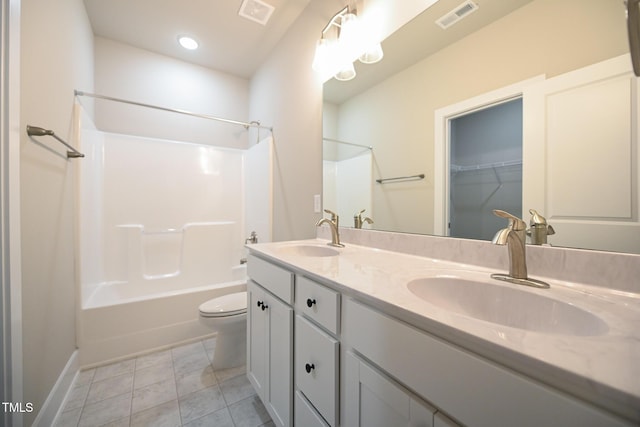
225,306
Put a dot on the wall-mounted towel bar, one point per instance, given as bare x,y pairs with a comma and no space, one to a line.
72,153
401,178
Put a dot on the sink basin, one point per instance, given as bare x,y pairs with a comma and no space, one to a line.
309,250
507,305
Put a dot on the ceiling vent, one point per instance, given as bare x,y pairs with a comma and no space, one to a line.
462,11
256,10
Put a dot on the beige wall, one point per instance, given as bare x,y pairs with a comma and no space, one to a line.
545,37
130,73
286,94
57,57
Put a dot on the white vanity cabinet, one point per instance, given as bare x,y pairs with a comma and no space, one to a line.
469,388
319,356
374,400
270,338
317,350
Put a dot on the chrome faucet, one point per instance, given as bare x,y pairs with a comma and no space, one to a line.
358,220
334,224
514,237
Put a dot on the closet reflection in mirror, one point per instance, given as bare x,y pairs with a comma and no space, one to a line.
485,169
579,158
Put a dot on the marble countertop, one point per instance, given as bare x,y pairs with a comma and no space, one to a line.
602,368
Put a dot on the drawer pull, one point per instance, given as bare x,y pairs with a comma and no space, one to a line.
310,302
262,305
309,368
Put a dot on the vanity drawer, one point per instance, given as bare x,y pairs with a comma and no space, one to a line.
274,278
316,368
305,413
318,303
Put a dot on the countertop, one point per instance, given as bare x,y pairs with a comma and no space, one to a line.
603,368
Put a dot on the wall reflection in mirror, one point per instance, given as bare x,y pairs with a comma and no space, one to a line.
569,153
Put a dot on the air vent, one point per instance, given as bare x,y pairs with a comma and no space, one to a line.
256,10
462,11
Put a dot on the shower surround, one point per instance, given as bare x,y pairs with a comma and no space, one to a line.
161,229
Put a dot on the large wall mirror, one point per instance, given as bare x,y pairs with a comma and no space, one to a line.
552,68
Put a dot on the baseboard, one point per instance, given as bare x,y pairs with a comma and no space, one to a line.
53,405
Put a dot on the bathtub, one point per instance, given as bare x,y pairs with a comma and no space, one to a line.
120,320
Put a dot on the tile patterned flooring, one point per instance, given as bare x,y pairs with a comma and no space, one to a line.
173,388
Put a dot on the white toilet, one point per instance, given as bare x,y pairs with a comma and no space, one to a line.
228,316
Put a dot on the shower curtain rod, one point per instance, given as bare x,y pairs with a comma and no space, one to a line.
247,125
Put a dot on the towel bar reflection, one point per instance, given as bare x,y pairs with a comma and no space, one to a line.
72,153
401,178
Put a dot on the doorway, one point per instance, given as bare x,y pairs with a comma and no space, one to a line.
442,164
485,169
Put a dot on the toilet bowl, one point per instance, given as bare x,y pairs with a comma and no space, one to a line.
228,316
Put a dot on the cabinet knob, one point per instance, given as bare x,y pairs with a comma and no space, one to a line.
264,306
259,304
310,302
309,368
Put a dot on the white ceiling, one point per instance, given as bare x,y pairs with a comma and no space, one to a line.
228,42
236,45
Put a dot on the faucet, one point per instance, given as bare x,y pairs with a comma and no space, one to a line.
334,223
514,237
358,220
253,238
539,229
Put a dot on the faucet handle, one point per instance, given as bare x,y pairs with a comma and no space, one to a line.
515,223
333,214
536,218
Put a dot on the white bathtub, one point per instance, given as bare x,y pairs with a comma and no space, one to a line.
120,320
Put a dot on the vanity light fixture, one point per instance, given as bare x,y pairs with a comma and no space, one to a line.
187,42
343,40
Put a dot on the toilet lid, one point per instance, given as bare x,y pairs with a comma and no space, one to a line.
226,305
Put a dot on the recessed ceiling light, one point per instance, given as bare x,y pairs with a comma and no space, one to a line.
187,42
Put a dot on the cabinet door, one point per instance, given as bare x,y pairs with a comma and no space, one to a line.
316,368
305,413
279,396
372,400
256,338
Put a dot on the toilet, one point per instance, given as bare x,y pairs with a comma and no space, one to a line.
228,316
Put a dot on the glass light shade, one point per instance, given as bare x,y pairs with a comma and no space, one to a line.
321,58
346,73
372,55
349,30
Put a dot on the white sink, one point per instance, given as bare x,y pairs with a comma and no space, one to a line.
508,305
309,250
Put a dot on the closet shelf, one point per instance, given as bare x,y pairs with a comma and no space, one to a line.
459,168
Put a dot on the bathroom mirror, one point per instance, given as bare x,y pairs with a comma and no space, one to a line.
382,124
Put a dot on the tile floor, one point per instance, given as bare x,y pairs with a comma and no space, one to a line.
175,387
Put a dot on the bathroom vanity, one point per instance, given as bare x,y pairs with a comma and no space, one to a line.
359,336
